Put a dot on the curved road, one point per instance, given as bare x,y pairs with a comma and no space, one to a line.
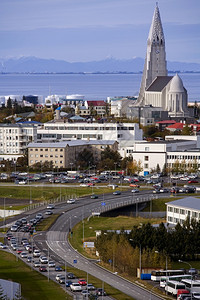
57,239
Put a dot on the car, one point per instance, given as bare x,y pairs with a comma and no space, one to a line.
51,264
14,228
58,269
164,190
156,191
62,279
30,259
42,269
3,246
134,185
193,181
135,191
22,182
117,193
71,201
82,282
24,220
50,206
91,184
100,292
9,236
37,264
23,254
75,287
112,186
68,283
90,287
94,196
70,276
36,253
19,250
83,185
196,295
14,246
58,276
48,212
43,260
85,293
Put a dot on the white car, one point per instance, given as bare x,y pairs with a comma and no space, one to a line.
2,246
75,287
23,255
36,253
22,182
43,260
135,191
83,184
71,201
50,206
51,264
58,276
37,264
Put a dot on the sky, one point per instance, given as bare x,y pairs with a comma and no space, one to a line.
87,30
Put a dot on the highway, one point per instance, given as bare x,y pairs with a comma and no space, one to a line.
57,239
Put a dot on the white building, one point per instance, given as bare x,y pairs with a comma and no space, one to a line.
179,210
151,154
59,130
14,139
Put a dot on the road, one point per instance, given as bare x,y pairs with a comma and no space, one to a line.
57,240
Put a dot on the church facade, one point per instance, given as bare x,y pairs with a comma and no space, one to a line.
158,90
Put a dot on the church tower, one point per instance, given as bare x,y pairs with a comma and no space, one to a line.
155,62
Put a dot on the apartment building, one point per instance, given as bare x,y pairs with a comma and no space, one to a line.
14,139
59,130
179,210
65,154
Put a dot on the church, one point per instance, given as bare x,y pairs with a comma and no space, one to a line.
160,95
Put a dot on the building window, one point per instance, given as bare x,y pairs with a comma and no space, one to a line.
176,210
146,149
46,149
146,166
170,208
146,158
41,155
61,150
182,211
41,149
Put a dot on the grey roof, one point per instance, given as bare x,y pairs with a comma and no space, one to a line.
17,125
70,144
187,202
159,83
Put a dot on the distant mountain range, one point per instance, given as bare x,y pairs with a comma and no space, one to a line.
109,65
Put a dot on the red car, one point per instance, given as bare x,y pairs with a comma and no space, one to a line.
193,181
82,282
91,184
43,269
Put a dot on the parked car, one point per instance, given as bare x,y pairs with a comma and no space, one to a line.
3,246
37,264
58,269
68,283
100,292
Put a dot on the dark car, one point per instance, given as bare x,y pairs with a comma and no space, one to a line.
70,276
58,269
117,193
94,196
100,292
43,269
68,283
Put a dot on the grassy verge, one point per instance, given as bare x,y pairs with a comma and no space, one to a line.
103,223
34,285
46,223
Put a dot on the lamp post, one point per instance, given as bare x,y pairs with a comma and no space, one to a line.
71,164
4,213
115,163
185,262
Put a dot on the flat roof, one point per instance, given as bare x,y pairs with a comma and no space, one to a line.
187,202
70,143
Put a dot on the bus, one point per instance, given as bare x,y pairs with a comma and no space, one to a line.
173,278
192,285
172,287
156,275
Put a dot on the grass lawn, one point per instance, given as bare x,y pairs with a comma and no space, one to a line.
46,223
103,223
34,285
159,204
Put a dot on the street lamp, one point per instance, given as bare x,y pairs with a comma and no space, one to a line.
140,263
166,264
71,164
115,163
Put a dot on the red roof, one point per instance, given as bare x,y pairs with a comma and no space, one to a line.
97,103
176,126
166,122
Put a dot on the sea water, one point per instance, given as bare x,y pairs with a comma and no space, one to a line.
92,86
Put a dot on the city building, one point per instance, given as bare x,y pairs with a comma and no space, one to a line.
185,149
158,90
60,130
14,139
92,108
65,154
178,211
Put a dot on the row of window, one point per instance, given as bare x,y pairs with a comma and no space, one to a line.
181,211
183,157
36,161
46,149
46,155
81,128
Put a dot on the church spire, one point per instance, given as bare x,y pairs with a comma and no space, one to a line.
155,62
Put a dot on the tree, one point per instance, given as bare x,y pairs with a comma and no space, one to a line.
85,158
134,167
186,130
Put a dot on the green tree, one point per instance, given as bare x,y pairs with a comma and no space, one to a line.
186,130
85,158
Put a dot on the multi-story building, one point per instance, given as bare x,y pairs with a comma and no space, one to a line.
14,139
65,154
178,211
59,130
